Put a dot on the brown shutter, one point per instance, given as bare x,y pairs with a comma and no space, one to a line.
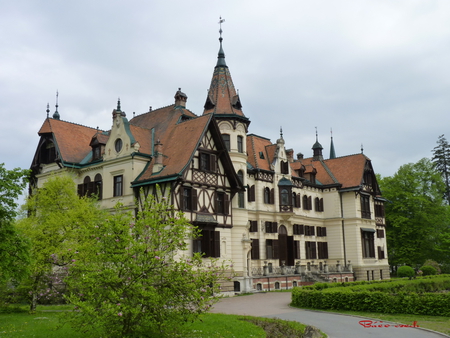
311,229
181,190
194,199
296,249
313,250
255,248
206,243
324,231
251,194
276,251
216,243
268,227
80,190
274,227
212,163
297,201
226,204
253,226
272,196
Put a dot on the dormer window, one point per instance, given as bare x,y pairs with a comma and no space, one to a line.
96,153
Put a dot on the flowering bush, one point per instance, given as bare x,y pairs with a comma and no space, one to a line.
132,278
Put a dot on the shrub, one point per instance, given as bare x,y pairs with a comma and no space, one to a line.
430,262
428,270
405,271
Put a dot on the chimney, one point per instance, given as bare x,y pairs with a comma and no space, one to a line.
299,156
290,155
180,99
158,157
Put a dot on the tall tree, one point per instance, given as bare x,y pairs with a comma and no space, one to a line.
416,214
441,161
13,246
133,277
56,223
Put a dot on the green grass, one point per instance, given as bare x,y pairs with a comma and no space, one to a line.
45,323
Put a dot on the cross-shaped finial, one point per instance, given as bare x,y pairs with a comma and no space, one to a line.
220,24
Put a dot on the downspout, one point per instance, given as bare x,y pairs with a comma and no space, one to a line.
343,230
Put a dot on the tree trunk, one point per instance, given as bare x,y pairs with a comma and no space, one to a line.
33,303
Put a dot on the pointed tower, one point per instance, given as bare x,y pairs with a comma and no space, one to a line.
332,151
317,150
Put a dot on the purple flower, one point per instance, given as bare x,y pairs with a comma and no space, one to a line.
157,257
120,314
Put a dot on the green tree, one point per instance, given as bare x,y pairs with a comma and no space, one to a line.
416,215
14,254
56,223
441,161
133,278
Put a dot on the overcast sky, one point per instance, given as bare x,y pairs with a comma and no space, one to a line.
376,72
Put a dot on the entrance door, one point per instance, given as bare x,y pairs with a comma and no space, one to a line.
282,245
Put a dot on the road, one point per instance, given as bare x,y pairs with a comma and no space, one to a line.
276,305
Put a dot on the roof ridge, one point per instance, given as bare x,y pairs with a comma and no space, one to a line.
254,152
329,171
153,110
78,124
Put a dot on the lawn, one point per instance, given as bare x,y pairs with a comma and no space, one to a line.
45,324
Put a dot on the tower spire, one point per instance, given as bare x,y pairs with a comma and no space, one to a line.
221,55
332,151
56,115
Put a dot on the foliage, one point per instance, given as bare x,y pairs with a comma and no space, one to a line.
419,296
417,219
428,270
14,248
56,220
434,264
441,161
405,271
132,279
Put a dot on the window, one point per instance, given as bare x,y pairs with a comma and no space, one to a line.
253,226
207,162
47,153
365,206
271,227
321,231
96,153
266,195
296,200
118,185
251,194
222,203
98,186
307,202
296,249
272,251
237,286
255,248
368,248
226,140
208,243
299,229
309,230
284,167
240,144
310,250
380,233
381,253
379,209
118,145
241,202
284,197
322,250
188,199
318,204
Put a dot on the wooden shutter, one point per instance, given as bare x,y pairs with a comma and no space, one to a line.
274,227
253,226
276,251
268,227
272,196
255,248
296,249
251,194
212,162
194,199
297,201
313,250
226,204
216,243
80,190
181,190
206,243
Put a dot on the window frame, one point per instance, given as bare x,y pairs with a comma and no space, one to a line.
240,144
118,186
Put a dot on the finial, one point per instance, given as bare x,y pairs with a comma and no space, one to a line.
281,132
48,110
118,104
220,30
331,131
362,149
56,115
317,136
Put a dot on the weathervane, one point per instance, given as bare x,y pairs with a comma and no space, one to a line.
220,24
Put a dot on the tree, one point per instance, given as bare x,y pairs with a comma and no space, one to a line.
55,224
132,278
416,215
441,161
13,246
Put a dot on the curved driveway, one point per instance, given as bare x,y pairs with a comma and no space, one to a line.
276,305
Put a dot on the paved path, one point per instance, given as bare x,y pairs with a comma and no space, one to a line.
276,304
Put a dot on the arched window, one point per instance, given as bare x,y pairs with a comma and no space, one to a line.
226,140
240,144
266,195
98,190
241,203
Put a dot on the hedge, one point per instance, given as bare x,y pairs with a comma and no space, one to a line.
409,297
